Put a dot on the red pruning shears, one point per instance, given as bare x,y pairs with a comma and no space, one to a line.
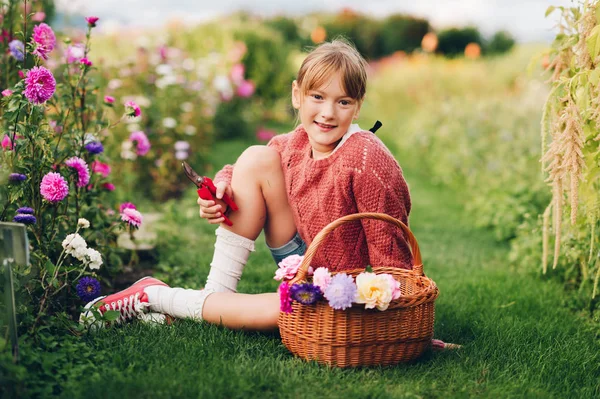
207,190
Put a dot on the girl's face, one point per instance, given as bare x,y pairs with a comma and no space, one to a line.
326,114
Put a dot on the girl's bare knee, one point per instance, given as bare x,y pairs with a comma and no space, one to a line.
258,158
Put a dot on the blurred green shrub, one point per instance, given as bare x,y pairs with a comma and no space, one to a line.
452,42
402,33
501,42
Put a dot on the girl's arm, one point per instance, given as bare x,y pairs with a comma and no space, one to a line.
381,188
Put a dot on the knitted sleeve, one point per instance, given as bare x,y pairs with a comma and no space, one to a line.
226,173
379,186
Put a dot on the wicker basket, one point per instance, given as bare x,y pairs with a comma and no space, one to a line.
359,336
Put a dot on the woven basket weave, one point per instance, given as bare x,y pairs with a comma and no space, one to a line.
359,336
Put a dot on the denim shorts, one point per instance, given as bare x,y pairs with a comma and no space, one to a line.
296,246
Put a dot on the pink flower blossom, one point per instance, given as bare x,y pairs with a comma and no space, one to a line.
132,216
39,85
285,300
132,109
54,187
85,62
109,186
289,267
101,167
126,205
75,52
7,93
141,141
83,173
21,74
395,286
44,37
264,134
245,89
7,143
109,99
322,278
38,16
91,21
237,73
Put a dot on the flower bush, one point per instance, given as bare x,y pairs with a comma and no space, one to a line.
57,173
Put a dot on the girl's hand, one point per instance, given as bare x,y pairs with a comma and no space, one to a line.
211,210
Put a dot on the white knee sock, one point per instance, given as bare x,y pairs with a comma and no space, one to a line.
177,302
229,259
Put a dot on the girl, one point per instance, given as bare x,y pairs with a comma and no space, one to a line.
291,188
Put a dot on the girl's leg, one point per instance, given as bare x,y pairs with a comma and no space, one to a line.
242,311
259,191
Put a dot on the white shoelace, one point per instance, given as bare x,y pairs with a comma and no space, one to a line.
129,308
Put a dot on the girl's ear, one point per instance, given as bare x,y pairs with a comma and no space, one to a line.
357,113
295,95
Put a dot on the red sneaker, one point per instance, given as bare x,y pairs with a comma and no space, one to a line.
131,302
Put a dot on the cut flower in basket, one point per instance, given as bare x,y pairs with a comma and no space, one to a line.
376,290
289,267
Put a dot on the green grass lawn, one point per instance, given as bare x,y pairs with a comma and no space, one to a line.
520,340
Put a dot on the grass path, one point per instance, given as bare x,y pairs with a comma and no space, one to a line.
519,339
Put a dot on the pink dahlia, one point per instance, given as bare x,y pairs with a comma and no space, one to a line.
39,85
83,173
54,187
126,205
91,21
7,93
109,99
7,143
132,109
44,37
285,300
131,216
101,167
141,141
85,62
109,187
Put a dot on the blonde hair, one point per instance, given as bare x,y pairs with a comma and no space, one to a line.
331,57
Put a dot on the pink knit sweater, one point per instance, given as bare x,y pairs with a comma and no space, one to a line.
360,176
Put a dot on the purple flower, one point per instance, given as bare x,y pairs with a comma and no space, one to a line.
83,172
88,289
17,49
16,177
141,141
25,210
306,294
25,219
95,147
341,291
54,187
39,85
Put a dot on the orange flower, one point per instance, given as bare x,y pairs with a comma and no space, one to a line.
318,35
429,42
472,51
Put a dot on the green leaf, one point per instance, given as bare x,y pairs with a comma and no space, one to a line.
111,315
549,10
598,15
593,44
594,77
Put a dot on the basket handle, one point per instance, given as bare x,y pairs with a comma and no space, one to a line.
320,237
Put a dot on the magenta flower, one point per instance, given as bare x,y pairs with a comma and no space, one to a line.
39,85
132,109
101,167
21,74
92,21
285,300
109,187
7,93
131,216
54,187
85,62
44,37
126,205
83,173
245,89
109,99
341,291
7,143
141,142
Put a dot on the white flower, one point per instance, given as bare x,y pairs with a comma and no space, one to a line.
374,291
95,258
164,69
187,106
114,84
169,122
188,64
189,130
181,155
73,242
83,223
